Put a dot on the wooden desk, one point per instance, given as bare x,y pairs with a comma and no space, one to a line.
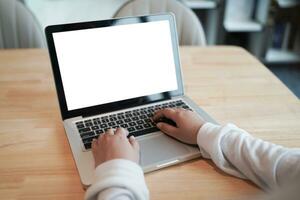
35,158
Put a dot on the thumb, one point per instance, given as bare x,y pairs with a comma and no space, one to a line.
168,129
134,143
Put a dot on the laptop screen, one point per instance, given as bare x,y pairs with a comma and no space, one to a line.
114,63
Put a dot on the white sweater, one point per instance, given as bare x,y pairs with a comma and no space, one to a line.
232,149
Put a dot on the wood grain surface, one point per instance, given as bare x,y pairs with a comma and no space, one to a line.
229,83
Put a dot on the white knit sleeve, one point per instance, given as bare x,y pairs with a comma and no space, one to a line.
238,153
118,179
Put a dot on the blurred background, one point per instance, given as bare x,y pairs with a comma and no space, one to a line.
269,29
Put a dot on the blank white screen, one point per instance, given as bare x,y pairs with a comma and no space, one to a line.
110,64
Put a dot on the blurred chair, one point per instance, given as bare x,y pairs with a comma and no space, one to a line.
189,28
18,27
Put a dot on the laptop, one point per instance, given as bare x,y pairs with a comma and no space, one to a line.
117,73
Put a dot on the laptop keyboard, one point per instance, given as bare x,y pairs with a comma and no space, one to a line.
137,121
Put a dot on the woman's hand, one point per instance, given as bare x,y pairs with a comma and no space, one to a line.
115,145
188,124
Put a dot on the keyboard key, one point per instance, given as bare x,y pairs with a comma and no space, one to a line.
143,132
77,123
83,130
120,122
88,140
185,107
121,117
147,125
127,120
103,125
132,123
130,129
97,122
112,119
138,127
79,126
135,118
98,132
147,120
88,134
88,124
88,145
140,122
143,117
105,120
87,121
111,123
124,125
128,115
179,103
95,127
152,110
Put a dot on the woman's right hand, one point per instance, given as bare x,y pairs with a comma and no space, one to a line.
187,122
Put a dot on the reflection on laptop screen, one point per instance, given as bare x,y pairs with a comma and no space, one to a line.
109,64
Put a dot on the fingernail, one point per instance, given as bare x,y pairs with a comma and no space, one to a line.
126,132
158,125
132,137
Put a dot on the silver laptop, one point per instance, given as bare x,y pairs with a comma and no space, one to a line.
117,73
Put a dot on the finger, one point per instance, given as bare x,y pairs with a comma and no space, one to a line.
161,113
94,144
110,132
168,129
180,109
101,136
167,112
134,143
121,131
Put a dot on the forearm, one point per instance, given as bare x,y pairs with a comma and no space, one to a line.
238,153
118,179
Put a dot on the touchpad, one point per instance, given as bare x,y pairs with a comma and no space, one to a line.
157,148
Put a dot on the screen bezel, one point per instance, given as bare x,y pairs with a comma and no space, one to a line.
113,106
